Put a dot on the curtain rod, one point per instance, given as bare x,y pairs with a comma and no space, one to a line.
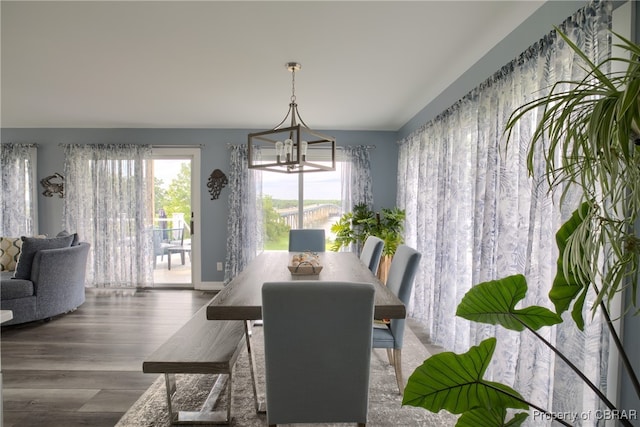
23,144
179,146
369,147
152,146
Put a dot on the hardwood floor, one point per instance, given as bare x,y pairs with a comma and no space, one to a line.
85,368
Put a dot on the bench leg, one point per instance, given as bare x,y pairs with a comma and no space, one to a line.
206,415
261,407
170,384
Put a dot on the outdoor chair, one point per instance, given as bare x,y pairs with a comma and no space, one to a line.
181,247
165,239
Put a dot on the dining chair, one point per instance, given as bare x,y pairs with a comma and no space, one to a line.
400,281
307,240
372,252
317,372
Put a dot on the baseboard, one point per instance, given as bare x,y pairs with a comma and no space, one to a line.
210,286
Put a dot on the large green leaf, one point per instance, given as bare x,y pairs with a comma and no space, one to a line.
454,382
495,417
494,303
569,286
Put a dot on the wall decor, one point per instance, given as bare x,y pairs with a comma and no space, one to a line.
51,187
217,181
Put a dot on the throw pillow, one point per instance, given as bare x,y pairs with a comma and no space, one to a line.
31,245
65,233
9,252
10,248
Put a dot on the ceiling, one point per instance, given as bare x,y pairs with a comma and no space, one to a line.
366,65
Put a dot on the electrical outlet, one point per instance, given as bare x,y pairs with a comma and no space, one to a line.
219,266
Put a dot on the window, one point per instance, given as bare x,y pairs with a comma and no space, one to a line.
306,200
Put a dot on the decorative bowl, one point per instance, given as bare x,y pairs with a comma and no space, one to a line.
305,268
305,264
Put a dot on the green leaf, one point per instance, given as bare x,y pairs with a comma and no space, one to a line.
494,303
576,313
517,419
568,284
495,417
454,382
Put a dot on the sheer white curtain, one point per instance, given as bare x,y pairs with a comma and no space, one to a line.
476,215
356,180
244,224
107,202
18,195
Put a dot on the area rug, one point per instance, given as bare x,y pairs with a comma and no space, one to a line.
385,408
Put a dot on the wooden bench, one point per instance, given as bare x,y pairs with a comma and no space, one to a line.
201,346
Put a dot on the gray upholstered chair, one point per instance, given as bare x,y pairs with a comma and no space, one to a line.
400,281
317,371
307,240
372,252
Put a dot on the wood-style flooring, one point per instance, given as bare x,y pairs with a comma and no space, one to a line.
85,368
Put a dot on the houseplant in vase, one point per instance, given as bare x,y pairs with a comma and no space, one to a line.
588,140
353,228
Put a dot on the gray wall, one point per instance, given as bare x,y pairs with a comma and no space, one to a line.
215,155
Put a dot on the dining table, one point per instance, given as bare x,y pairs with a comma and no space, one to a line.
241,298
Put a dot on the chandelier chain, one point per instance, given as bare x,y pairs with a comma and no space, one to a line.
293,86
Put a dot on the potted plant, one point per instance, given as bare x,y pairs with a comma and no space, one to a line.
593,131
354,227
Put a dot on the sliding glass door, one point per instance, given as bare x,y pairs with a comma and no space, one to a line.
175,209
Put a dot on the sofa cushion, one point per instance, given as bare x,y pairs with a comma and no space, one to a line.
31,245
9,252
15,288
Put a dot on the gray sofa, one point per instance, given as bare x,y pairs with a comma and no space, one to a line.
56,285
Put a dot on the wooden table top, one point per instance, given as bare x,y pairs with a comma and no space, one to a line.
241,299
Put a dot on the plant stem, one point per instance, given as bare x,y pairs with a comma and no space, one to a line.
520,399
582,376
621,351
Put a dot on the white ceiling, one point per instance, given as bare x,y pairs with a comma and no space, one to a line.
366,65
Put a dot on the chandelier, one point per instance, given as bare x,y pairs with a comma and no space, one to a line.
291,146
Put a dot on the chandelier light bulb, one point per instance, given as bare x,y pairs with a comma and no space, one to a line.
288,148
